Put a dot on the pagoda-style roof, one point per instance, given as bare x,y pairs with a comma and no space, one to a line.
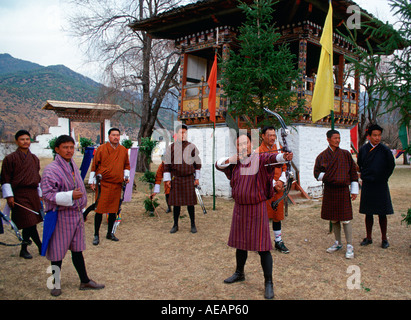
209,14
81,111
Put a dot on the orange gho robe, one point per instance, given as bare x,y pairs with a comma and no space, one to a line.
110,163
278,214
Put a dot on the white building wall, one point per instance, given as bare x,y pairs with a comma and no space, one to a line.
224,147
307,142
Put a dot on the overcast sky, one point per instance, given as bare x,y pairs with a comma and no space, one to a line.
33,30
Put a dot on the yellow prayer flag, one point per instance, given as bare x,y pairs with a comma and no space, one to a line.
323,96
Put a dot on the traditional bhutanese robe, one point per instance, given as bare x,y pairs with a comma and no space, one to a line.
251,183
59,180
278,214
20,179
113,164
159,178
338,171
376,166
182,166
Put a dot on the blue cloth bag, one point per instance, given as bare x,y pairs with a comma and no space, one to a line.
49,224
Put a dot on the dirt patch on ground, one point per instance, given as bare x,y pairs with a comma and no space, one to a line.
150,263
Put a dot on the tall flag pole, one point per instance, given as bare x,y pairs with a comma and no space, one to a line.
212,83
323,97
322,103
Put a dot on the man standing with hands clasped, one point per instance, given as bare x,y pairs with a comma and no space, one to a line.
181,175
336,168
112,162
376,164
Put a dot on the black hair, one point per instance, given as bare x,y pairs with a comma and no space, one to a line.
267,128
63,139
113,129
21,133
331,132
181,126
373,127
243,134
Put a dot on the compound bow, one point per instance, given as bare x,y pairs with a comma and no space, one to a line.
288,173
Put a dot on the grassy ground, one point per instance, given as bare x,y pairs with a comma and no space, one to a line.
150,263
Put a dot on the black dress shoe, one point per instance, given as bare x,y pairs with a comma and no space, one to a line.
25,254
193,229
385,244
91,285
112,237
55,292
174,229
269,289
366,242
96,240
236,277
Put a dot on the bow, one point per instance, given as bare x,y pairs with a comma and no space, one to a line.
200,200
118,219
288,173
94,205
13,227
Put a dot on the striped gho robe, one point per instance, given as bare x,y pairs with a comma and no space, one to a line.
59,180
251,183
182,166
337,170
20,179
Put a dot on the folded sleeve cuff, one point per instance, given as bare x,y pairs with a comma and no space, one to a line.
64,198
39,191
280,157
198,174
92,178
221,163
354,187
6,190
126,174
283,177
166,176
320,176
156,188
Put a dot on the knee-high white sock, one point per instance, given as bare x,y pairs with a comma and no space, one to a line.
277,235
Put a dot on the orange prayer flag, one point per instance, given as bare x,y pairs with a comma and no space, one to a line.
212,83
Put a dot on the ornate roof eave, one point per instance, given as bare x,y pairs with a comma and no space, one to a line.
208,14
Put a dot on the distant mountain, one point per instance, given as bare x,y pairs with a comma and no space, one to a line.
8,64
25,87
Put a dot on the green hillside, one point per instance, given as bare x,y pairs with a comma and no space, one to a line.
25,87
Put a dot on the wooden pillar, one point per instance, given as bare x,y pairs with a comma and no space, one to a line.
183,79
357,89
302,66
340,80
102,130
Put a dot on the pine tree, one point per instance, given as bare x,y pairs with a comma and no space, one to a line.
262,71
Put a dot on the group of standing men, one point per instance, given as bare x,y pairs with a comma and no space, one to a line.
255,184
337,170
62,189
